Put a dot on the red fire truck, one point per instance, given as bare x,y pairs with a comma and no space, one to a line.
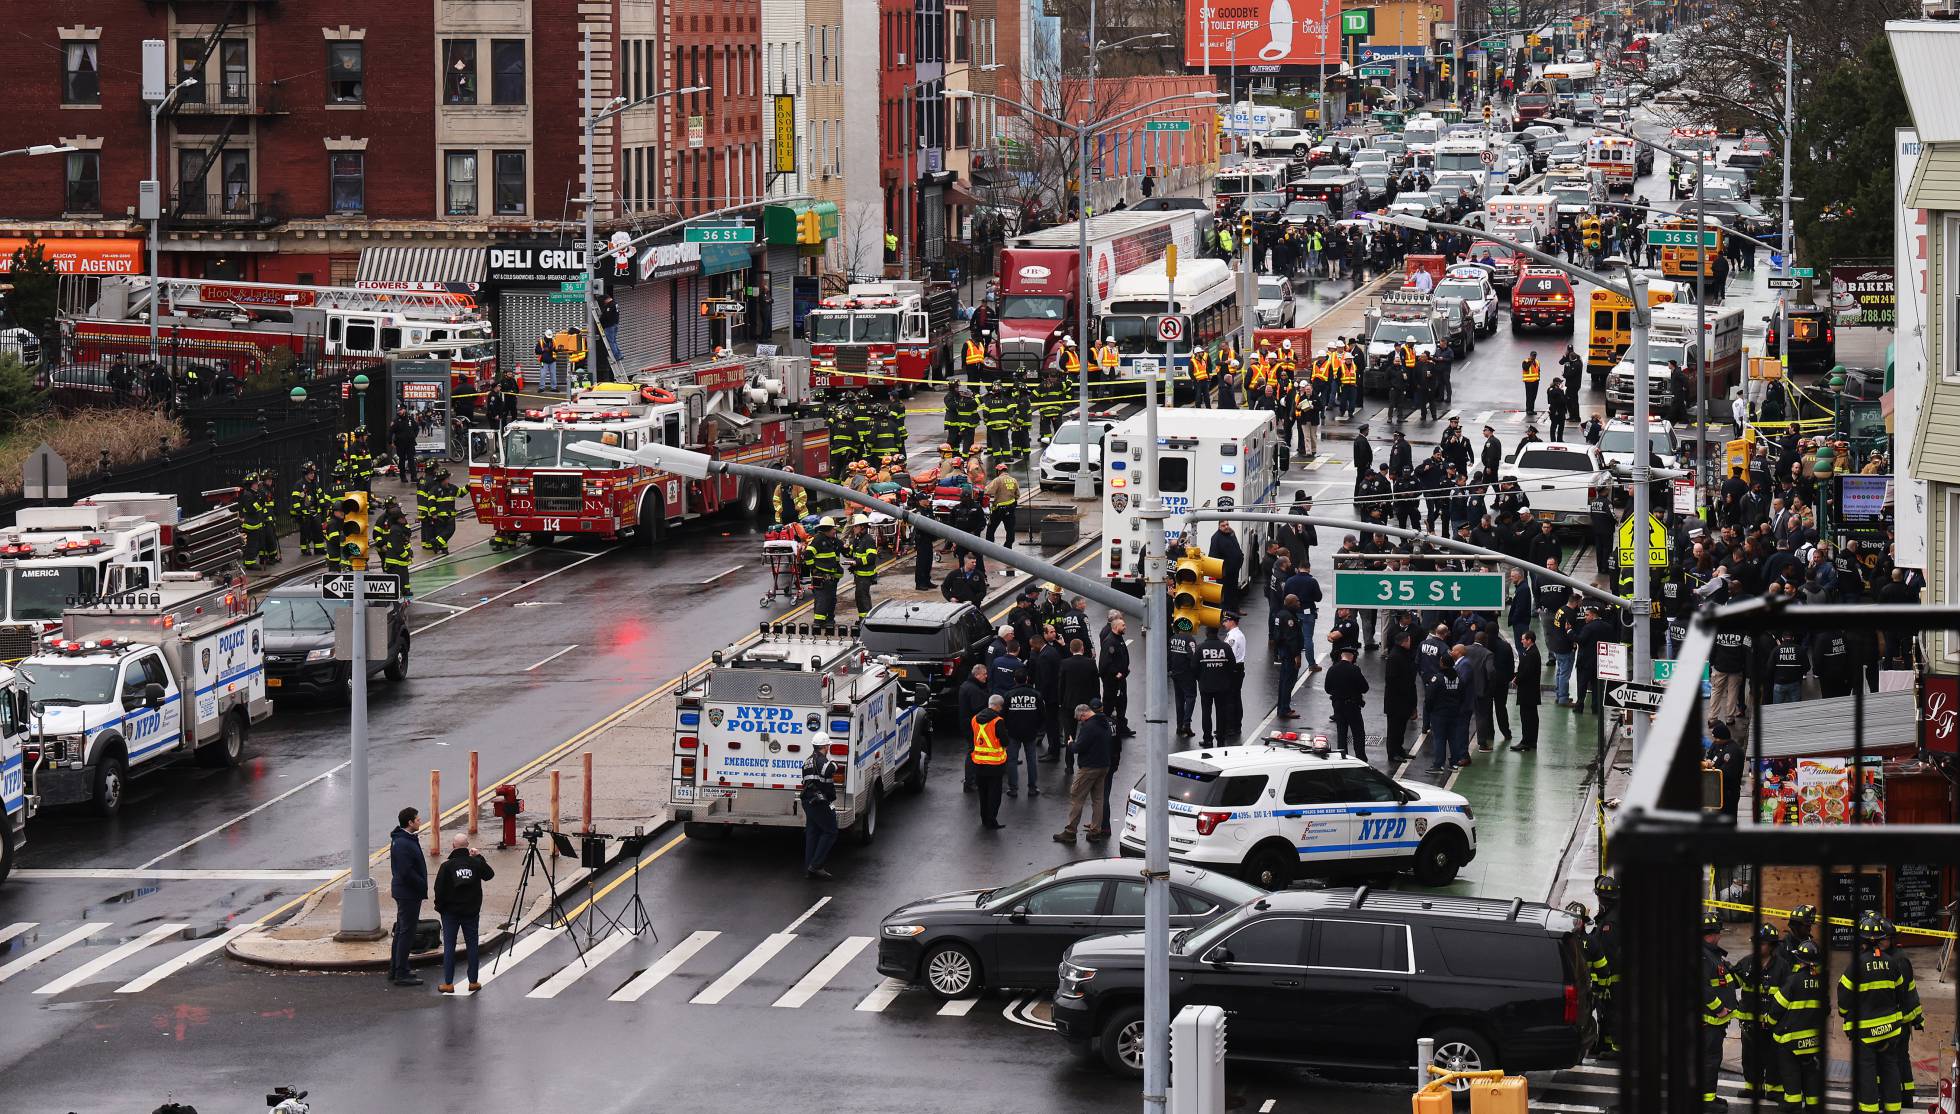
244,327
525,480
892,335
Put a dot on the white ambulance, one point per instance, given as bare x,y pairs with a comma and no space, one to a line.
744,726
1206,459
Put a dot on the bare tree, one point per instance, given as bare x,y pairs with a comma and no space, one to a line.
860,246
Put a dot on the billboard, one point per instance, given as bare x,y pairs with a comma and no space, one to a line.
1273,37
1864,295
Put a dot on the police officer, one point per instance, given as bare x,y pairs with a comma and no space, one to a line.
1793,1017
1182,650
1602,945
308,506
823,559
819,819
1025,718
1872,1004
1717,1008
861,547
1218,689
962,414
256,522
1753,988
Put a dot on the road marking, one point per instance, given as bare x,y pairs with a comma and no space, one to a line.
110,958
145,874
163,971
15,929
807,914
507,958
826,970
720,576
1482,418
1021,1012
444,606
959,1007
1267,1106
1378,417
552,658
1451,414
880,996
194,841
580,966
653,976
487,601
749,964
52,948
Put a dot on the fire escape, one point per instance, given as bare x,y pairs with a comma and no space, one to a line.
225,107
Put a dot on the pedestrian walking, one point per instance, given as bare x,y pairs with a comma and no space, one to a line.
1530,683
459,901
1092,747
988,760
408,884
819,818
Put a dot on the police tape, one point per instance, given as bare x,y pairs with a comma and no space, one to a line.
1736,907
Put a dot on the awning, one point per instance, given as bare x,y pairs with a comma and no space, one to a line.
958,194
988,178
1828,726
409,268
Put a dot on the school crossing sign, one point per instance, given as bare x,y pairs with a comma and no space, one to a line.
1657,550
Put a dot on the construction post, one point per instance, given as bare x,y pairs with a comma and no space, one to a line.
473,795
554,800
585,763
435,812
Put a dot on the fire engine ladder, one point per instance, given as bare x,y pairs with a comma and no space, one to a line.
189,292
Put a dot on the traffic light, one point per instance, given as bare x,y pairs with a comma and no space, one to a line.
1196,590
1531,40
809,227
1245,229
1443,69
356,534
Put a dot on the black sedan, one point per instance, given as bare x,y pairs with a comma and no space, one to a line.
959,944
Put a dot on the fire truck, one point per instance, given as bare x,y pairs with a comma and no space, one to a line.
255,328
526,478
892,335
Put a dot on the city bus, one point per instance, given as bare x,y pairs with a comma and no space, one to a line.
1207,306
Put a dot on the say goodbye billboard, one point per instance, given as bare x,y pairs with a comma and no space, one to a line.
1272,36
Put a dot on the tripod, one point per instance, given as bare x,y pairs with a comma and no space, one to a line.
633,918
534,860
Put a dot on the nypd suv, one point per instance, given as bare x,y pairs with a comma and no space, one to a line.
1288,807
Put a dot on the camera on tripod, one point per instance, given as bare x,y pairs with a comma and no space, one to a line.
533,834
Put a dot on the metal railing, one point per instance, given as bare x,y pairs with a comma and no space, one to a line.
224,206
230,98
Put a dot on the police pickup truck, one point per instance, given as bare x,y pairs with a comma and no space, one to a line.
1289,807
137,681
744,726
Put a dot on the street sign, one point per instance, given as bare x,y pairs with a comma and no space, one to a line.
44,475
721,307
1375,71
1612,660
1680,238
1357,23
1783,282
560,299
1167,125
573,286
1146,365
1684,495
1664,671
721,234
1803,272
1488,157
1170,328
1626,694
385,587
1656,542
1456,590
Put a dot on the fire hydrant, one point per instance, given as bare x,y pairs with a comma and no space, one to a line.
507,806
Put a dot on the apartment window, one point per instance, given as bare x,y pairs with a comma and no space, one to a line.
235,71
190,66
235,168
1948,328
84,182
962,123
346,69
81,83
459,71
507,71
347,181
459,183
509,186
190,183
959,35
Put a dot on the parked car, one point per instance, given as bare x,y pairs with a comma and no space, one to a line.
1293,142
1063,454
299,642
1276,305
1559,479
1471,283
933,642
1462,327
961,943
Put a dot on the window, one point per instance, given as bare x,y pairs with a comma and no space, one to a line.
959,35
84,182
190,65
1363,783
962,122
1949,326
81,82
507,71
1070,899
348,185
1173,474
234,64
237,175
346,66
459,71
1272,942
510,191
1362,946
1214,791
1514,958
1128,900
190,183
1313,787
360,336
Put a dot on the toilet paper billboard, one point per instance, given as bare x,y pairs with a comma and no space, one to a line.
1275,36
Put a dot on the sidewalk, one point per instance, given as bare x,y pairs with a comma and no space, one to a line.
294,566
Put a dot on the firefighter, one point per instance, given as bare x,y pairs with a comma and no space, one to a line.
889,439
997,410
391,545
1872,1004
354,471
843,437
861,548
252,520
1717,1007
1753,987
823,560
437,511
962,414
1793,1017
789,502
336,541
1021,421
308,507
1602,947
1052,398
269,507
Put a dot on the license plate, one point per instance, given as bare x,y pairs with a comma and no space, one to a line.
273,682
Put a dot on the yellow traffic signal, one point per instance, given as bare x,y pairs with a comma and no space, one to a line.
1196,591
809,227
1443,69
1245,228
1531,39
356,533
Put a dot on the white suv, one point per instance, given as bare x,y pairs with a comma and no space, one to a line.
1292,141
1271,812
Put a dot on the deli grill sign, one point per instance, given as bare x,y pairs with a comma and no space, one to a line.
540,263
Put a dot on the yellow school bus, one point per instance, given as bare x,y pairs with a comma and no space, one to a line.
1612,323
1676,262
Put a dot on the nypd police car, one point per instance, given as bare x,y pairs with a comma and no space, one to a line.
1288,807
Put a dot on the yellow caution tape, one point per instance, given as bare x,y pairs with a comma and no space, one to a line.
1846,922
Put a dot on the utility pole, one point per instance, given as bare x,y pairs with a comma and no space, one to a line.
591,202
1701,335
1788,239
360,900
1156,775
1643,625
1085,484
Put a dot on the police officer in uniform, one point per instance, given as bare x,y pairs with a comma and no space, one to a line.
819,819
1793,1017
1218,689
861,547
1753,988
1602,949
308,507
1182,649
823,558
1717,1008
1871,1002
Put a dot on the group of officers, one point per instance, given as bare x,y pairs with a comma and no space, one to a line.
1778,994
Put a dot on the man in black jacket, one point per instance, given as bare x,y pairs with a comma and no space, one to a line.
1347,688
459,899
1289,640
1024,718
1530,684
409,885
966,584
1091,749
1048,681
1364,457
1398,694
973,700
1226,548
1218,690
1113,663
1077,682
1182,651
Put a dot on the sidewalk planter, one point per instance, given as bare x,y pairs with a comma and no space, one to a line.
1059,527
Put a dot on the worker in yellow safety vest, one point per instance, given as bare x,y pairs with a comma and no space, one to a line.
1200,378
1530,374
973,354
989,759
1350,386
1071,360
1106,355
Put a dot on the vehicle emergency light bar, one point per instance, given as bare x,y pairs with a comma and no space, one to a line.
69,648
1315,745
808,630
59,549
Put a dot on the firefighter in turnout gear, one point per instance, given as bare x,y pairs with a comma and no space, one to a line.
1021,421
843,438
257,524
997,409
1793,1017
861,549
888,439
788,502
1051,399
1871,1001
864,430
1717,1008
823,559
1752,987
1914,1017
962,414
436,507
308,507
391,543
355,471
1602,950
338,547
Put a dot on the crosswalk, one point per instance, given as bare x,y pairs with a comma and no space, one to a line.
1592,1088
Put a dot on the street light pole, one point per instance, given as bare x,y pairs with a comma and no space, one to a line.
360,900
1701,337
156,222
1085,484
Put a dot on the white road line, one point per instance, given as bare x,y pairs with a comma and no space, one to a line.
959,1007
521,587
166,874
248,814
444,606
807,914
15,929
819,977
1480,419
749,964
722,575
52,948
579,967
1378,416
490,966
552,658
110,958
164,970
1267,1106
880,996
666,965
1259,730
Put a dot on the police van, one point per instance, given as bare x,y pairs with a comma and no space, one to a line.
1206,459
1289,807
744,726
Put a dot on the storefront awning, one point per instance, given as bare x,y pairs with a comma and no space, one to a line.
957,193
780,222
410,268
1829,726
987,178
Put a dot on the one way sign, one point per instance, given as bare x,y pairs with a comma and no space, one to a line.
376,587
1629,695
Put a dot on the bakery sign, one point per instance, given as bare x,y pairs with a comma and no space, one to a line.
667,259
1866,296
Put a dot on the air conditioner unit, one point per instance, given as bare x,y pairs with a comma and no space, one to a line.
901,58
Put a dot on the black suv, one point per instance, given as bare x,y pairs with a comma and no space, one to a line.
936,644
299,641
1349,979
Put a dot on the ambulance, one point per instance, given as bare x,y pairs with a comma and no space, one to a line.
1206,459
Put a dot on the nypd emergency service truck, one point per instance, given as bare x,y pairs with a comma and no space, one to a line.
140,680
745,725
1208,459
1275,811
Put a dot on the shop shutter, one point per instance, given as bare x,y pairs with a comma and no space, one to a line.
782,276
524,317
